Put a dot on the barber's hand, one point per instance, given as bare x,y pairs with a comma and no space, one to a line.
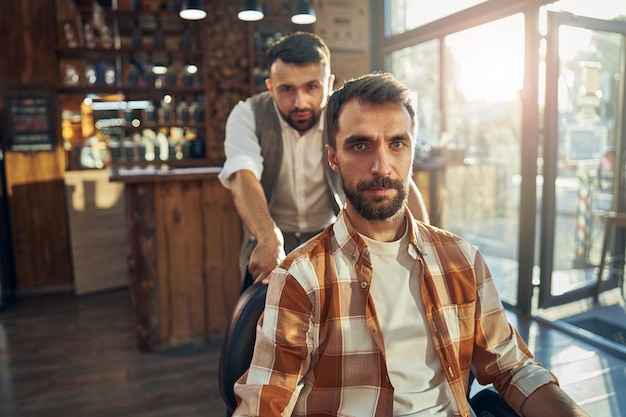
263,259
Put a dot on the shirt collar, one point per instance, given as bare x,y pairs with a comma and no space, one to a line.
352,245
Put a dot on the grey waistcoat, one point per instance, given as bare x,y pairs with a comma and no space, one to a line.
268,132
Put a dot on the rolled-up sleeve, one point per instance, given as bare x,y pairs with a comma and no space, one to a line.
241,145
502,356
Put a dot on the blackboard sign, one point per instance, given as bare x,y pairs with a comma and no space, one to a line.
30,119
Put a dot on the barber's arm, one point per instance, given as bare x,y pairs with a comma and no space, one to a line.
416,203
550,400
251,205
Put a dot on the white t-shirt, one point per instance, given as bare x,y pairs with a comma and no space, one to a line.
420,387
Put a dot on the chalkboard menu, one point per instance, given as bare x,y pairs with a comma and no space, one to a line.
30,118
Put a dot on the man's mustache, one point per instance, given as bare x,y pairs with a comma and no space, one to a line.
379,182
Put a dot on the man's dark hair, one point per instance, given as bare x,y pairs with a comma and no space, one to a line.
299,48
375,88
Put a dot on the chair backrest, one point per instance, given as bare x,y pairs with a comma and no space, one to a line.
238,344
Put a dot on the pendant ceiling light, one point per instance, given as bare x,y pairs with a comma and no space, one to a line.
159,68
304,14
192,10
250,11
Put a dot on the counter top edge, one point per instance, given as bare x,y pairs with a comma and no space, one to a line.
146,174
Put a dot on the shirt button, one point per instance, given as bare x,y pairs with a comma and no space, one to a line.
363,284
366,254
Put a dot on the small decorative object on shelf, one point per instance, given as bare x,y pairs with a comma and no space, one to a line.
70,36
106,37
91,75
71,77
90,36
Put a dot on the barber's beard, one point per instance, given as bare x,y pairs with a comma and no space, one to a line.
377,208
301,125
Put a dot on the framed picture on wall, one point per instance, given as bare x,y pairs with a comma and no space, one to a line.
30,118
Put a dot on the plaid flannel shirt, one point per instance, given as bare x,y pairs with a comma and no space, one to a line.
319,348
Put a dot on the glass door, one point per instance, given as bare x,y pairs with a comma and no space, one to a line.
583,164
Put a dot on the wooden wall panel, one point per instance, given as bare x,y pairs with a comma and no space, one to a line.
35,187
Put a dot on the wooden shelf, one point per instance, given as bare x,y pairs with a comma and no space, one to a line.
164,37
99,52
126,90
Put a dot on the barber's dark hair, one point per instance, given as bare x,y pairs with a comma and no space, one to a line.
375,88
299,48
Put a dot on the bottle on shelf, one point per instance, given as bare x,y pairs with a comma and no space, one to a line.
190,71
70,75
150,151
170,77
106,37
109,74
133,74
163,145
70,36
182,111
128,150
173,6
185,39
198,109
90,36
128,115
159,36
196,149
150,113
165,110
115,153
140,147
137,35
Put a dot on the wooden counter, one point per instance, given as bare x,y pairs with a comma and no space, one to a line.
183,241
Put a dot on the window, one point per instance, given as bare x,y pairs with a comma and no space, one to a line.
404,15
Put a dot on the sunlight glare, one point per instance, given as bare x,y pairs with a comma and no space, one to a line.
490,59
573,40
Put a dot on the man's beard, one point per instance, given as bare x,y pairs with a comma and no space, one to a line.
380,207
303,125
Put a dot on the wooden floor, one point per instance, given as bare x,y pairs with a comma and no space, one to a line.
68,356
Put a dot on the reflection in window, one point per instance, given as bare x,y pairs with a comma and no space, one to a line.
483,70
483,78
600,9
404,15
418,68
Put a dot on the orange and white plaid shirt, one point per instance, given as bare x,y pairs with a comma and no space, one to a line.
319,348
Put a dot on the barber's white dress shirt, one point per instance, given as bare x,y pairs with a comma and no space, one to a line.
300,202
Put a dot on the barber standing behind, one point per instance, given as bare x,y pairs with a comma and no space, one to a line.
276,163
